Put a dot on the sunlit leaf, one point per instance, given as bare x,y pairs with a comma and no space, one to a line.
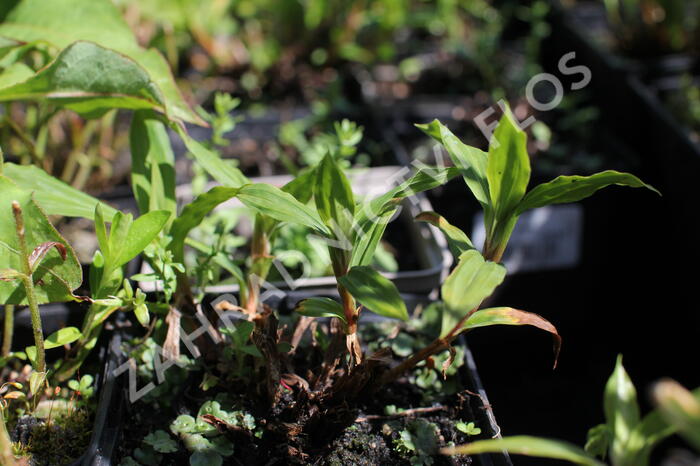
55,278
458,241
526,445
320,307
621,409
375,292
472,281
53,195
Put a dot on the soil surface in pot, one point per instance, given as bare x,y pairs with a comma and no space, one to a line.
404,422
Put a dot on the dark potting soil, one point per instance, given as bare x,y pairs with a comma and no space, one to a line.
398,424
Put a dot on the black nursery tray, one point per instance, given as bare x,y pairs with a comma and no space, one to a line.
109,415
428,247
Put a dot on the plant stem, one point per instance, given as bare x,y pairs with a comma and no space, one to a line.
29,289
8,330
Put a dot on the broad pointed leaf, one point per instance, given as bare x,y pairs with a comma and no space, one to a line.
53,195
321,307
508,167
89,79
152,164
100,22
565,189
375,292
141,232
472,281
55,278
526,445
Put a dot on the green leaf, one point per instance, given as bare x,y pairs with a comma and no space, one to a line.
366,243
281,206
141,232
424,179
152,164
470,160
15,73
333,195
211,162
598,440
141,313
375,292
89,79
52,194
99,22
472,281
458,241
321,307
565,189
206,458
55,277
62,337
36,382
510,316
508,167
161,442
621,409
680,408
264,198
302,186
526,445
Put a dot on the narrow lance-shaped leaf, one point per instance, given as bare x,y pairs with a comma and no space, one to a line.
375,292
470,160
458,241
510,316
54,196
424,179
333,195
621,409
508,167
565,189
472,281
529,446
211,162
321,307
366,243
152,164
264,198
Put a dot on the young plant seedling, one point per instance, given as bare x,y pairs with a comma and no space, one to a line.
353,234
499,180
625,438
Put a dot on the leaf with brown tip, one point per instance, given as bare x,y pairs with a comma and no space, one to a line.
510,316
